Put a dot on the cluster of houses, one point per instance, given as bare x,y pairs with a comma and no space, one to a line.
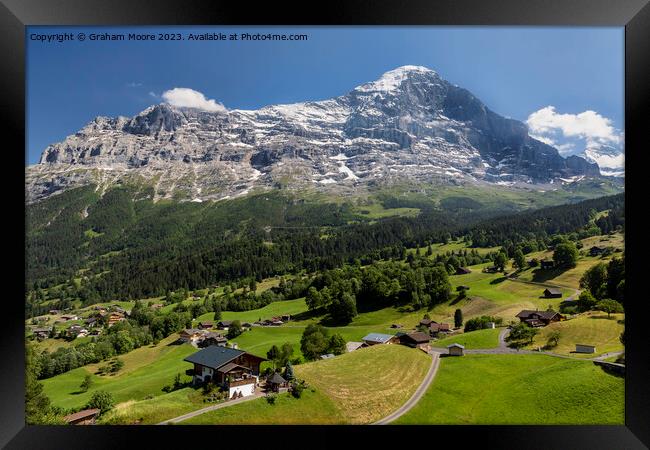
539,318
202,337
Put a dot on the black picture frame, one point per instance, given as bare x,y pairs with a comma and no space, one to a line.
634,15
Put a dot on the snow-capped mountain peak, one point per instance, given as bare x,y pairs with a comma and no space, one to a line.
408,124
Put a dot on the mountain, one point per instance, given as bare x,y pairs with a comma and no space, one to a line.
610,160
410,124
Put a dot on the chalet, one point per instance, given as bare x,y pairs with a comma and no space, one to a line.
379,338
396,325
552,293
455,349
115,317
352,346
205,325
539,318
191,335
546,264
276,382
247,325
584,348
416,339
85,417
491,269
77,331
91,322
41,333
224,324
426,322
463,271
436,328
68,317
212,339
234,370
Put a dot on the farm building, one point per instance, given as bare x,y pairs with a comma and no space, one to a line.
77,331
552,293
379,338
396,325
539,318
416,339
584,348
191,335
41,333
235,370
463,271
426,322
210,338
352,346
455,349
546,264
69,317
224,324
436,328
85,417
491,325
206,324
115,317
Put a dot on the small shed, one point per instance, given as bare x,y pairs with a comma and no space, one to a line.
584,348
327,356
205,324
85,417
552,293
491,325
463,271
456,349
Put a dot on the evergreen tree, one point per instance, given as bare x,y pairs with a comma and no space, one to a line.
458,318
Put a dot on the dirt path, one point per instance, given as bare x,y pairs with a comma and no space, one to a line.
419,392
198,412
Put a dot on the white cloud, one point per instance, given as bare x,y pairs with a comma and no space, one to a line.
153,94
588,125
133,84
190,98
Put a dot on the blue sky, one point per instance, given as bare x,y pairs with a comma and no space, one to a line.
515,71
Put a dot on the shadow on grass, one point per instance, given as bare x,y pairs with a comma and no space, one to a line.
602,316
498,280
541,275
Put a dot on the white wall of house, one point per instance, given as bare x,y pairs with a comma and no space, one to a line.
246,389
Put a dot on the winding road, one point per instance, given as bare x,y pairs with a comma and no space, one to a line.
419,392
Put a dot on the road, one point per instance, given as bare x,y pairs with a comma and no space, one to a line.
198,412
419,392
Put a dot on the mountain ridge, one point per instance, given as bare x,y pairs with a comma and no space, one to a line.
408,124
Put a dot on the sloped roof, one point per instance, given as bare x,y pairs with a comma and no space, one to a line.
455,345
378,337
417,337
543,314
276,379
214,356
86,413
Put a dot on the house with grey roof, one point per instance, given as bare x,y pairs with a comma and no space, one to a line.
233,369
379,338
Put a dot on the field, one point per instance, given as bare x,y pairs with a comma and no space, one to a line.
146,370
523,389
274,309
592,328
473,340
311,408
155,410
369,383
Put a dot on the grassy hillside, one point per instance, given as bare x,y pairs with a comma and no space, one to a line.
592,328
473,340
312,408
519,390
274,309
146,370
369,383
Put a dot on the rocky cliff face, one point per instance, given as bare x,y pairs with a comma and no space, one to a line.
410,123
